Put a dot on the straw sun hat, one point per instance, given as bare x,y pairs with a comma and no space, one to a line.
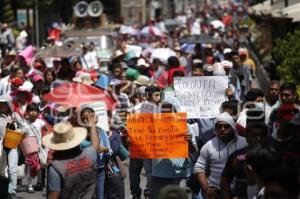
64,137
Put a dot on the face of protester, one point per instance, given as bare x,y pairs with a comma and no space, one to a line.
256,136
117,72
91,47
85,116
224,131
77,66
4,108
84,50
32,115
274,190
155,97
236,60
20,73
39,85
197,72
49,77
22,97
288,97
178,53
143,97
274,91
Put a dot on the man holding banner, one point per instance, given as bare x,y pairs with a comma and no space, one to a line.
167,171
163,138
137,163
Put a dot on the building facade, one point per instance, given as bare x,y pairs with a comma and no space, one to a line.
279,8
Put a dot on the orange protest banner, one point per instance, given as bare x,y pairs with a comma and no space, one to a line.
157,135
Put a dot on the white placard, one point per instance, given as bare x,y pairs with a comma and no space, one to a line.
201,97
136,49
100,111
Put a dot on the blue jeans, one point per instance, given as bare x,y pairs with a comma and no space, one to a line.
100,183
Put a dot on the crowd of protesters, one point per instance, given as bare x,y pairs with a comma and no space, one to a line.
250,150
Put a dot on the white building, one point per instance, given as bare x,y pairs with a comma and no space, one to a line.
279,8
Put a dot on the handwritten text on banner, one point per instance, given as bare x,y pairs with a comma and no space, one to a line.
157,135
201,97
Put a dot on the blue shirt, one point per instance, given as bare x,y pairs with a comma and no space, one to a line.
104,142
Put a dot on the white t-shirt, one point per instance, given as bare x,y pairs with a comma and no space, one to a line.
36,129
269,109
5,86
90,60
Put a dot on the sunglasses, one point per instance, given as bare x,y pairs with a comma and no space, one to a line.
221,126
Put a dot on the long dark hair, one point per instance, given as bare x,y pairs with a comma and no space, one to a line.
49,70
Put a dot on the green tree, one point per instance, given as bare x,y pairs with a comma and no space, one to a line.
8,14
287,53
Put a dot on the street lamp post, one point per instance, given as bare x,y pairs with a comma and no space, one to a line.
37,29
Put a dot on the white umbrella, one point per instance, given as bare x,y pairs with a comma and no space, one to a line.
162,54
217,24
128,30
151,30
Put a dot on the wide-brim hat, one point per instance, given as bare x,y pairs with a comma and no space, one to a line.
143,80
82,77
118,54
64,137
142,62
103,81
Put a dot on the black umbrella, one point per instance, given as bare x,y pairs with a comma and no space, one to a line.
203,39
58,51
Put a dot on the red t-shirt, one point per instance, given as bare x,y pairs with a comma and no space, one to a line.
171,74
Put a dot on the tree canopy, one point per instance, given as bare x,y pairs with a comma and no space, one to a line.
286,52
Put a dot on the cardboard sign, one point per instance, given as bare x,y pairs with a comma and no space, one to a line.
201,97
157,135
